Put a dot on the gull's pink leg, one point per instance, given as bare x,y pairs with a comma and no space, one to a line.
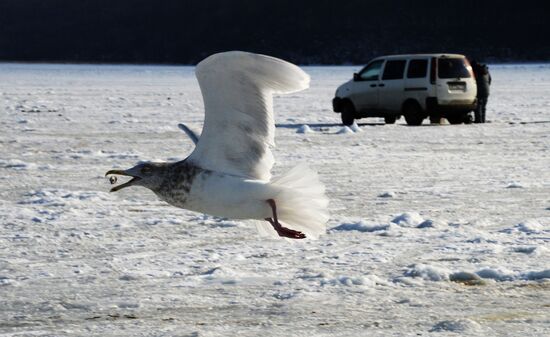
282,231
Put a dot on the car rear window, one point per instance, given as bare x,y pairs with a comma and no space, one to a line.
452,68
394,70
417,69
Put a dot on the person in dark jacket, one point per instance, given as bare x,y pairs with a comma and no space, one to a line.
483,81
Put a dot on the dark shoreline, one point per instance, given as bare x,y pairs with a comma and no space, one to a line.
496,63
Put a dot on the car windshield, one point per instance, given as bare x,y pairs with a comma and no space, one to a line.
371,71
452,68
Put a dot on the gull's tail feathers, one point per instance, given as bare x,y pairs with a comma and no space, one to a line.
301,203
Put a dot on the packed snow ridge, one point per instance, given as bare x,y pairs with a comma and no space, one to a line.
434,273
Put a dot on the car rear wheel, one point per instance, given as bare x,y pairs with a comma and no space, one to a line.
458,119
413,113
348,113
390,119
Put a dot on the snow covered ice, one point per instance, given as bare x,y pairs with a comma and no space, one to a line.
439,231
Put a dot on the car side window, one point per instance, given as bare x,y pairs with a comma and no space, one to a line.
371,71
417,69
394,70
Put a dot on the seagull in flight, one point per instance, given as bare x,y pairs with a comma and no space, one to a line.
228,173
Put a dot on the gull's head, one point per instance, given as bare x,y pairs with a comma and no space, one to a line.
148,174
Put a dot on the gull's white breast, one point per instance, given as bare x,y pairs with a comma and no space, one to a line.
230,196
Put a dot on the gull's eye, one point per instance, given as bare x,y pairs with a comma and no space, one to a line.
146,170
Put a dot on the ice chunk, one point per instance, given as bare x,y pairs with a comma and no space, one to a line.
514,185
16,164
345,130
426,224
355,128
466,278
499,274
525,249
304,129
537,275
527,227
461,325
427,272
361,227
408,219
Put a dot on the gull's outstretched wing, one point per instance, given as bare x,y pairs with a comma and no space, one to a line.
237,88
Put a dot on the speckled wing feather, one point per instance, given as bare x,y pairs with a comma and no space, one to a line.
237,88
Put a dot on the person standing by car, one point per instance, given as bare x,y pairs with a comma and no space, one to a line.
483,82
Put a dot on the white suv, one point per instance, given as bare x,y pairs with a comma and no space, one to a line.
415,86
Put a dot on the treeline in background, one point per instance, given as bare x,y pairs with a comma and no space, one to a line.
305,32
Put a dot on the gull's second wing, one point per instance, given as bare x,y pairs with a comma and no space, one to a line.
189,132
237,88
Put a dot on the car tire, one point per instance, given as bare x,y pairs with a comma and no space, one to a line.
456,119
413,113
348,113
435,118
390,119
468,119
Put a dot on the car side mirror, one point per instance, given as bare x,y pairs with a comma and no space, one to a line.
356,77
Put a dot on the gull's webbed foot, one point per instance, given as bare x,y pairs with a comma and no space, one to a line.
282,231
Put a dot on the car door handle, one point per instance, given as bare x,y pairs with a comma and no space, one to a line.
373,85
381,85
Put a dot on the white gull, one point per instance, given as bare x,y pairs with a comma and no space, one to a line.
228,173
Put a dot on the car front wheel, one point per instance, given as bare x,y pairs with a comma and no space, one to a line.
348,113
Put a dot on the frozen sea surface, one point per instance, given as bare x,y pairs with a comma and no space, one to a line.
435,230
